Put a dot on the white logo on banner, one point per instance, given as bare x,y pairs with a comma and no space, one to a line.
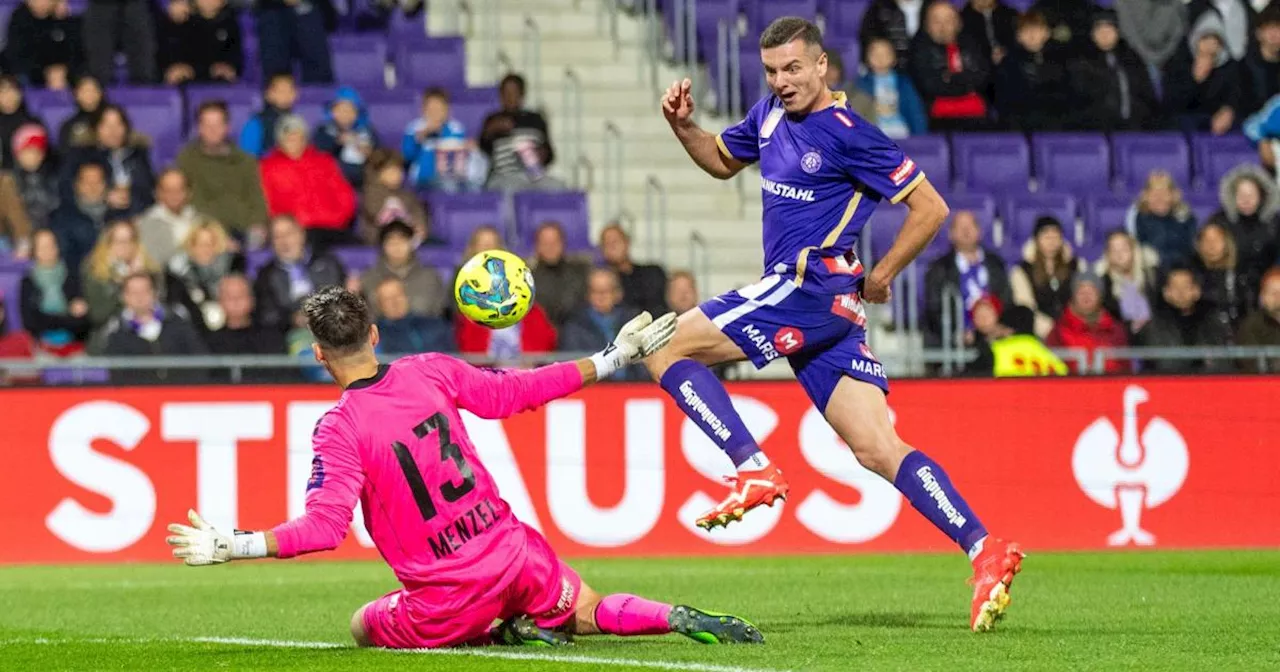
1129,471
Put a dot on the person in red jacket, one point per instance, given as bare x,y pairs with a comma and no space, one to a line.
532,335
302,181
1086,324
14,344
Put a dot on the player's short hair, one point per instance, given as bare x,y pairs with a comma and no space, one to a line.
1031,19
789,28
339,320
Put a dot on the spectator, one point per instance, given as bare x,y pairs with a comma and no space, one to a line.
1153,29
427,294
1004,342
13,115
532,335
517,143
279,95
644,286
238,334
895,20
294,30
385,199
1086,324
857,99
1225,296
15,227
43,44
899,110
561,281
144,327
1202,86
990,25
952,73
435,146
34,176
1161,220
347,134
53,307
79,219
404,331
126,25
970,270
1111,88
1127,270
1070,22
125,155
14,344
1250,203
292,274
1042,281
1183,320
165,225
195,274
1262,326
1032,86
200,43
116,255
483,238
682,292
302,181
596,324
1236,17
79,130
1260,69
224,180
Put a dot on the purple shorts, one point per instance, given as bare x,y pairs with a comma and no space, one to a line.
823,336
545,588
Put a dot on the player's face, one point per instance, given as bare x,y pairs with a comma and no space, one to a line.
796,72
1248,197
1270,297
965,232
1120,253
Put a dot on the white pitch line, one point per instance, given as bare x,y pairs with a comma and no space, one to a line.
465,652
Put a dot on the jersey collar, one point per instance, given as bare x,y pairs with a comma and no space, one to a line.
371,380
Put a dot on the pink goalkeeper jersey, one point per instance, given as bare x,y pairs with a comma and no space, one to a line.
396,442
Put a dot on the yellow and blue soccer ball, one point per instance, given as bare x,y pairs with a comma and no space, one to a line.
494,288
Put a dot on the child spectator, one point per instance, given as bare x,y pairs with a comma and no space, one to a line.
347,135
1086,324
259,133
116,256
1127,270
302,181
127,25
13,115
435,146
899,110
427,294
1042,281
79,129
836,80
1032,92
953,74
385,199
200,43
53,306
33,174
404,331
1202,86
43,45
1162,221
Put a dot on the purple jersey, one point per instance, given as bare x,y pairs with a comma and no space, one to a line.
396,443
822,175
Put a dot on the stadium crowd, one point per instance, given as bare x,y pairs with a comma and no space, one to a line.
129,260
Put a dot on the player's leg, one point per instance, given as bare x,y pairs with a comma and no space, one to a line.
627,615
358,631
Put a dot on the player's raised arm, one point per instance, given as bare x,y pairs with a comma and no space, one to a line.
706,150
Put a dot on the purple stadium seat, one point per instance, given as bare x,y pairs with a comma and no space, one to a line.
313,103
569,208
1137,154
844,18
1216,156
356,258
157,112
405,29
390,112
254,260
438,61
54,107
1078,163
708,15
1105,213
982,205
1203,205
471,106
455,216
359,60
760,13
883,227
241,102
439,255
752,75
991,161
933,155
1021,212
10,286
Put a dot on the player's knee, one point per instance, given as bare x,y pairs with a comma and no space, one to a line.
358,632
880,452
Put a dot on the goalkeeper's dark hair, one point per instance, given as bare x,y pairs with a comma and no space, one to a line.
789,28
339,320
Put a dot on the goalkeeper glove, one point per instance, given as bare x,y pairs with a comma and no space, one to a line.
637,339
199,544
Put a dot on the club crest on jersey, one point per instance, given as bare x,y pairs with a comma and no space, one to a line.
902,172
811,162
771,122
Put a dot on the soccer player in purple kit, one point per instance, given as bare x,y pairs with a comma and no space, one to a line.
822,171
396,443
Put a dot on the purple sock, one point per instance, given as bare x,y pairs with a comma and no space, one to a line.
703,398
927,487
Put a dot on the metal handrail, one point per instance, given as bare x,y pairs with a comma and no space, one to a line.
613,167
722,76
700,260
913,308
531,50
950,298
608,9
655,191
579,165
572,110
1262,353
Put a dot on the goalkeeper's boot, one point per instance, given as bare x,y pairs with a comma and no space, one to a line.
522,631
750,489
711,628
993,572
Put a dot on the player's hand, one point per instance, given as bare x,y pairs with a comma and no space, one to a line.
637,339
199,544
677,102
875,289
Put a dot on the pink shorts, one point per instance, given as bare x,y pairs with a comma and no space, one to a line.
545,588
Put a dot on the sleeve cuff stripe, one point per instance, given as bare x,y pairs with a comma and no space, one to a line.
724,149
908,188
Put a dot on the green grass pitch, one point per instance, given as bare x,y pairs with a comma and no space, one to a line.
1128,610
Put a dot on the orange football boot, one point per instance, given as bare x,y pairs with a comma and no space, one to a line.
750,489
993,572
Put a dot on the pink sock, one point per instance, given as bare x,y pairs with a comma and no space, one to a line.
623,614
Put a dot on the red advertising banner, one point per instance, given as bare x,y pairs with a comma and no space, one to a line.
96,474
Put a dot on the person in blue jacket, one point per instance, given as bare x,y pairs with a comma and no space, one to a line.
435,146
899,110
279,95
347,134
